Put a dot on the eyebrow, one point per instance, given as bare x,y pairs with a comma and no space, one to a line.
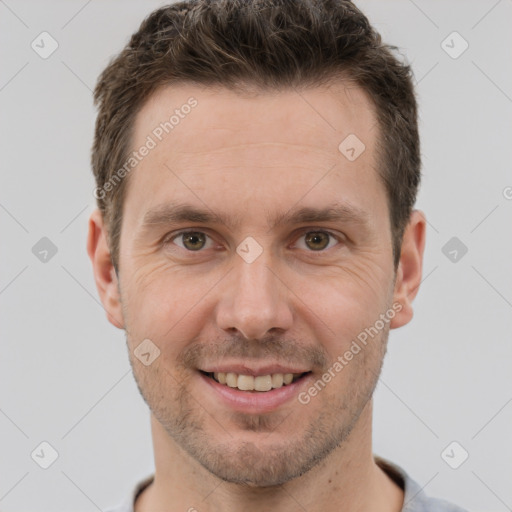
172,213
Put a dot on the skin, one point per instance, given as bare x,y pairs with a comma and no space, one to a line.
249,158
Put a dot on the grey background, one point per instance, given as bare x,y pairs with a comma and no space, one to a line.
65,377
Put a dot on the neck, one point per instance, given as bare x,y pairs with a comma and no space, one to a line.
347,480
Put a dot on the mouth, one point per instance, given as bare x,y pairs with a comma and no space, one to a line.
257,383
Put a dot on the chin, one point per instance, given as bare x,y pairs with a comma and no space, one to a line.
259,460
257,467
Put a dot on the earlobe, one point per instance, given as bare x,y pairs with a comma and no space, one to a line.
104,273
409,271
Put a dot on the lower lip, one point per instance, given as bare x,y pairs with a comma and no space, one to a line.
256,402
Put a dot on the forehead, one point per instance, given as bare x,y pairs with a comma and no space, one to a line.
208,142
257,116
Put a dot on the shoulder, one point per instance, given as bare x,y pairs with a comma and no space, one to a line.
415,499
128,504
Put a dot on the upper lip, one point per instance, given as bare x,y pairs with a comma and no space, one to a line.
244,369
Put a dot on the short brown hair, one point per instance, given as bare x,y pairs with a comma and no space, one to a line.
271,45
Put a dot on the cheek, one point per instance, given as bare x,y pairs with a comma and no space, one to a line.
345,301
166,305
171,305
160,386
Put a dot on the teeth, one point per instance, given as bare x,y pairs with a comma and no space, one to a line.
287,378
246,382
277,380
259,383
232,380
262,382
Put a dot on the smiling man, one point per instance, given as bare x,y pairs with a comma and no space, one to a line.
257,164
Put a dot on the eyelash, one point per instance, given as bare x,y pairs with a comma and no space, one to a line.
170,238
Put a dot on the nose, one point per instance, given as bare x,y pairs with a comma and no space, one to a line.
254,301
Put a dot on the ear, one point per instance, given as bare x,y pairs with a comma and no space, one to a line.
409,271
104,272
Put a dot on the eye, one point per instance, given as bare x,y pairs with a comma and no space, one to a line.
191,240
196,241
318,240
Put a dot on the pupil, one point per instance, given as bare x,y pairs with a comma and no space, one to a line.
317,238
193,241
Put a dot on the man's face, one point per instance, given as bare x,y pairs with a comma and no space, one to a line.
191,285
